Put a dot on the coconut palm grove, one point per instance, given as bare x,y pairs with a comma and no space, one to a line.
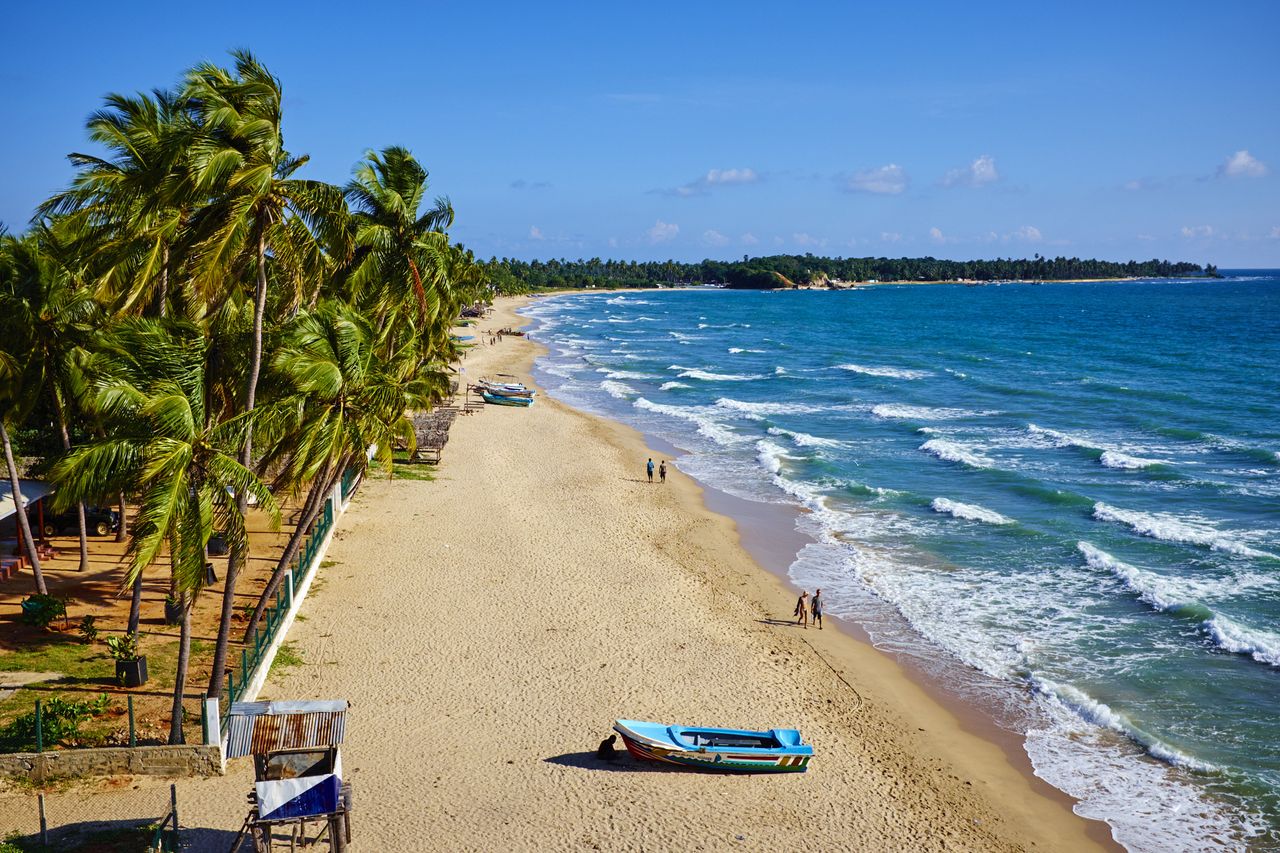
199,328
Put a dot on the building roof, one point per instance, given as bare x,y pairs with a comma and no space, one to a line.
32,490
255,728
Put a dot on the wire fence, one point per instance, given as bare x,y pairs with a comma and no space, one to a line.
62,723
135,819
252,653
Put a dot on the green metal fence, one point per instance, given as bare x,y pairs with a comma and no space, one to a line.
252,653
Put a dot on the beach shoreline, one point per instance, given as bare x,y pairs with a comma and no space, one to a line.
768,533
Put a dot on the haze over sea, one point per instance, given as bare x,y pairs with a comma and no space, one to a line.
1071,489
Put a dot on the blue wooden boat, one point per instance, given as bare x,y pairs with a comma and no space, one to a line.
500,400
725,750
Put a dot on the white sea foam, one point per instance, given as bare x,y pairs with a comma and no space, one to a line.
770,456
667,386
1116,459
969,512
779,371
618,390
895,411
956,373
680,336
622,374
1262,646
1171,528
707,425
1190,596
954,451
803,439
1063,439
886,372
750,408
707,376
1103,715
737,350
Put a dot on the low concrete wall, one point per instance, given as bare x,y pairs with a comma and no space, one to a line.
193,760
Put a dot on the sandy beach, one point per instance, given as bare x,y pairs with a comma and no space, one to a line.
489,626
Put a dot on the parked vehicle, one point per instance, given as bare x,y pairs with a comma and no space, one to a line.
97,520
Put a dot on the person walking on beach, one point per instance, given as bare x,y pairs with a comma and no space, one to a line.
649,470
815,608
802,609
662,471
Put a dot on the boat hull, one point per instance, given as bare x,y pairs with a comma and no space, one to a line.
498,400
668,745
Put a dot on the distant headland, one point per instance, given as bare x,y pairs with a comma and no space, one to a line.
810,271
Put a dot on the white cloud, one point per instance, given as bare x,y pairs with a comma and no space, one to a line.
802,238
935,234
714,178
1027,233
1242,164
890,237
885,180
712,237
661,231
613,242
748,239
731,176
535,233
979,173
1275,232
1197,231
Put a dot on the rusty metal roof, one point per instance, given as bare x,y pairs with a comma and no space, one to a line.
254,728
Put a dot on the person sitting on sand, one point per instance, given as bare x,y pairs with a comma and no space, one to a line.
815,608
802,609
662,471
649,470
605,750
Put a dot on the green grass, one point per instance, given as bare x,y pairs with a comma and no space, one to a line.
287,657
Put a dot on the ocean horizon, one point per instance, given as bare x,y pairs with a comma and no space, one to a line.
1069,490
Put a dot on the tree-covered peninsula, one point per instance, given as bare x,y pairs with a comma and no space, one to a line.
782,271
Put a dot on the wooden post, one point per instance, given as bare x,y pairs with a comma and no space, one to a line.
39,728
173,807
44,824
133,732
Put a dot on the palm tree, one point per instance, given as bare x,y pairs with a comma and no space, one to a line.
345,400
180,455
392,237
133,205
16,397
240,163
59,315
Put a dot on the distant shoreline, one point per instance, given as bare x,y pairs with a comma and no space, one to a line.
857,285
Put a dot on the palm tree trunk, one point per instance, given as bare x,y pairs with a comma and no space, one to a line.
240,550
135,605
66,445
122,532
320,490
24,524
176,735
162,295
418,290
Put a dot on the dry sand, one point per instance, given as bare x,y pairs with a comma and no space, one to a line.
490,625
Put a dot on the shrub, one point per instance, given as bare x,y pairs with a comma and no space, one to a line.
40,610
88,629
60,723
123,647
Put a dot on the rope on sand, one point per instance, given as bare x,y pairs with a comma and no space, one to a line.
836,673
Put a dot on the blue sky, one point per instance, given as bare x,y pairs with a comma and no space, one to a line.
692,130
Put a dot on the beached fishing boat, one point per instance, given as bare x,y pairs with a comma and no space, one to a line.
726,750
506,390
501,400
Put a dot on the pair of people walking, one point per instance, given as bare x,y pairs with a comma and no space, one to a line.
807,608
662,470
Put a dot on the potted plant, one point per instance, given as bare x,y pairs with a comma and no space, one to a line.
131,667
172,610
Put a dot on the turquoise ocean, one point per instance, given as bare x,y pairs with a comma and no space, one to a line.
1062,501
